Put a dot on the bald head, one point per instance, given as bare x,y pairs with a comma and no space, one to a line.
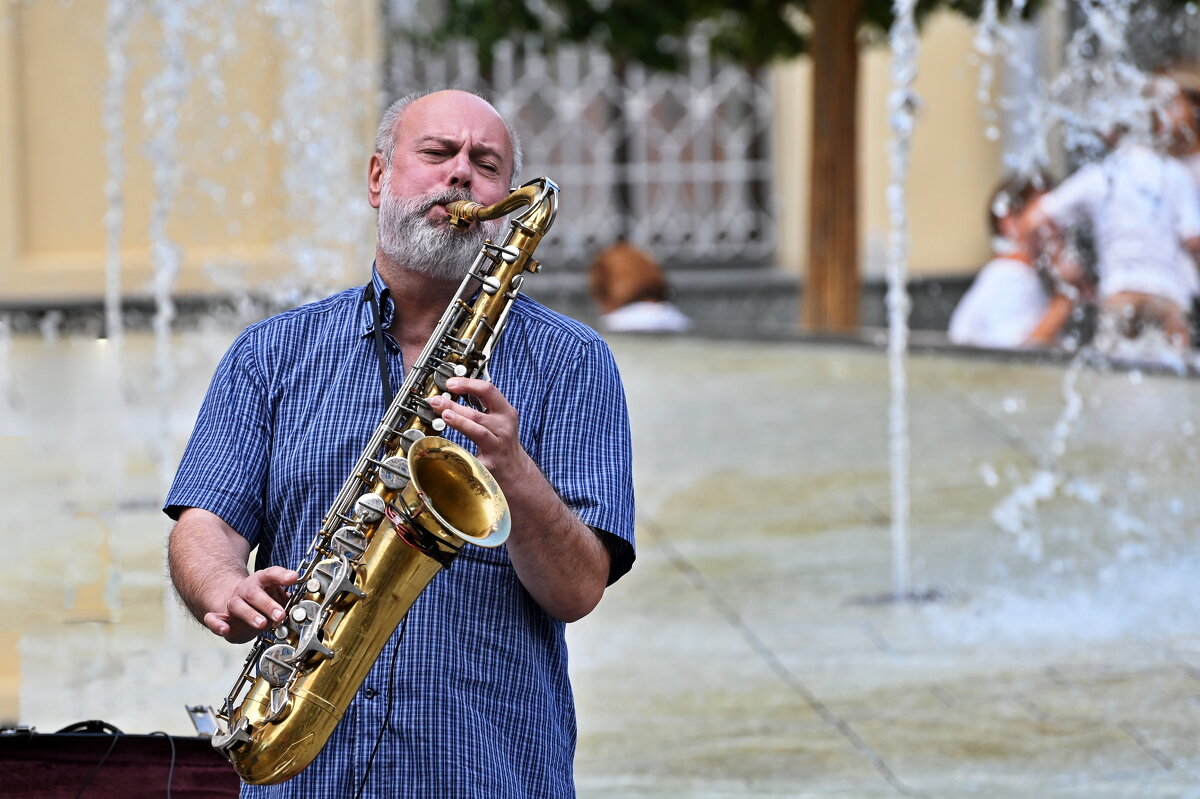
397,121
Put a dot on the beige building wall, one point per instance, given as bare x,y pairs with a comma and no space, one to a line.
266,177
236,160
262,180
953,169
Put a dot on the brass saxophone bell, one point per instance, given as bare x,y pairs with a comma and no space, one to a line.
459,492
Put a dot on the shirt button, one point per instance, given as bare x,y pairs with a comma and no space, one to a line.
370,693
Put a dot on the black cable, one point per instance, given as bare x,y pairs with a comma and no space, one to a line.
96,768
385,375
171,771
387,713
93,726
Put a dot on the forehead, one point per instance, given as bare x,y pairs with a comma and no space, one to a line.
455,116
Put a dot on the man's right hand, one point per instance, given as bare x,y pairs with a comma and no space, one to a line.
208,558
256,601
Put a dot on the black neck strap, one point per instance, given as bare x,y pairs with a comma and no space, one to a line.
385,375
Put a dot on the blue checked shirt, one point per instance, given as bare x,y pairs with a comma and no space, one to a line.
471,695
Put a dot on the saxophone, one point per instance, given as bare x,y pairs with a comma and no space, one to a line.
411,502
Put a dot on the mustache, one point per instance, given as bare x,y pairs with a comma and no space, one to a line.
424,205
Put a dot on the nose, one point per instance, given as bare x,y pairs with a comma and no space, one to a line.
459,171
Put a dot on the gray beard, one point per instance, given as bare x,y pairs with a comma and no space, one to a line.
407,237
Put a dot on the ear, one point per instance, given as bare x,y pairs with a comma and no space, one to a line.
375,170
1009,227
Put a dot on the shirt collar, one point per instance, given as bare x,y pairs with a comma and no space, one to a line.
387,307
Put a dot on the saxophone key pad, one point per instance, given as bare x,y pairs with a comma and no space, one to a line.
426,414
410,437
393,473
508,254
369,508
306,612
350,541
447,371
275,665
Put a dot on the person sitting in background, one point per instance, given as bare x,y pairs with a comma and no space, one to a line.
1181,120
631,292
1181,117
1019,298
1144,212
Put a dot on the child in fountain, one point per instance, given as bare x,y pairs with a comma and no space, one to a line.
1181,117
1020,298
1145,216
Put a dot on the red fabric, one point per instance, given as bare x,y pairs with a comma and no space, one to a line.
53,766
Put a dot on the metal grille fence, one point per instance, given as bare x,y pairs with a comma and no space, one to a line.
677,164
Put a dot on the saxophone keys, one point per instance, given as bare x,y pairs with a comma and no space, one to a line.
275,665
310,644
446,371
236,735
426,414
394,473
508,254
350,541
306,612
281,703
334,578
410,437
369,508
282,660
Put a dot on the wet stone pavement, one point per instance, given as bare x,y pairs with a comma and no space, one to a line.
1049,647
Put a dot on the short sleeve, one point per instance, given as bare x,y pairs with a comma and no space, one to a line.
585,450
1187,201
223,469
1073,197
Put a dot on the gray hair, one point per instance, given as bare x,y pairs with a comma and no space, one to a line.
385,136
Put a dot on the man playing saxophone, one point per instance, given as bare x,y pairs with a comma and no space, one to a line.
471,695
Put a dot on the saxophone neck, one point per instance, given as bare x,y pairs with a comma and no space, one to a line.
540,194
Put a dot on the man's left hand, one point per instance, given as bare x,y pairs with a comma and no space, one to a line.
492,426
559,560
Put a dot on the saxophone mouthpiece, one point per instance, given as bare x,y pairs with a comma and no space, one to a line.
463,213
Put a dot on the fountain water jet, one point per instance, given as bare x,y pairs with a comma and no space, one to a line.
902,104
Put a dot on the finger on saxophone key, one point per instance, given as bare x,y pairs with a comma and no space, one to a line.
263,590
443,404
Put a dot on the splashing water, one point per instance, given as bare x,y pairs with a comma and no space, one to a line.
1016,513
116,44
902,104
1098,549
7,400
165,95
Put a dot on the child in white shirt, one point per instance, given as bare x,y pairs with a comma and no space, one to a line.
1013,301
1145,217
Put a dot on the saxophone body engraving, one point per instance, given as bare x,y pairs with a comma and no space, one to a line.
411,502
